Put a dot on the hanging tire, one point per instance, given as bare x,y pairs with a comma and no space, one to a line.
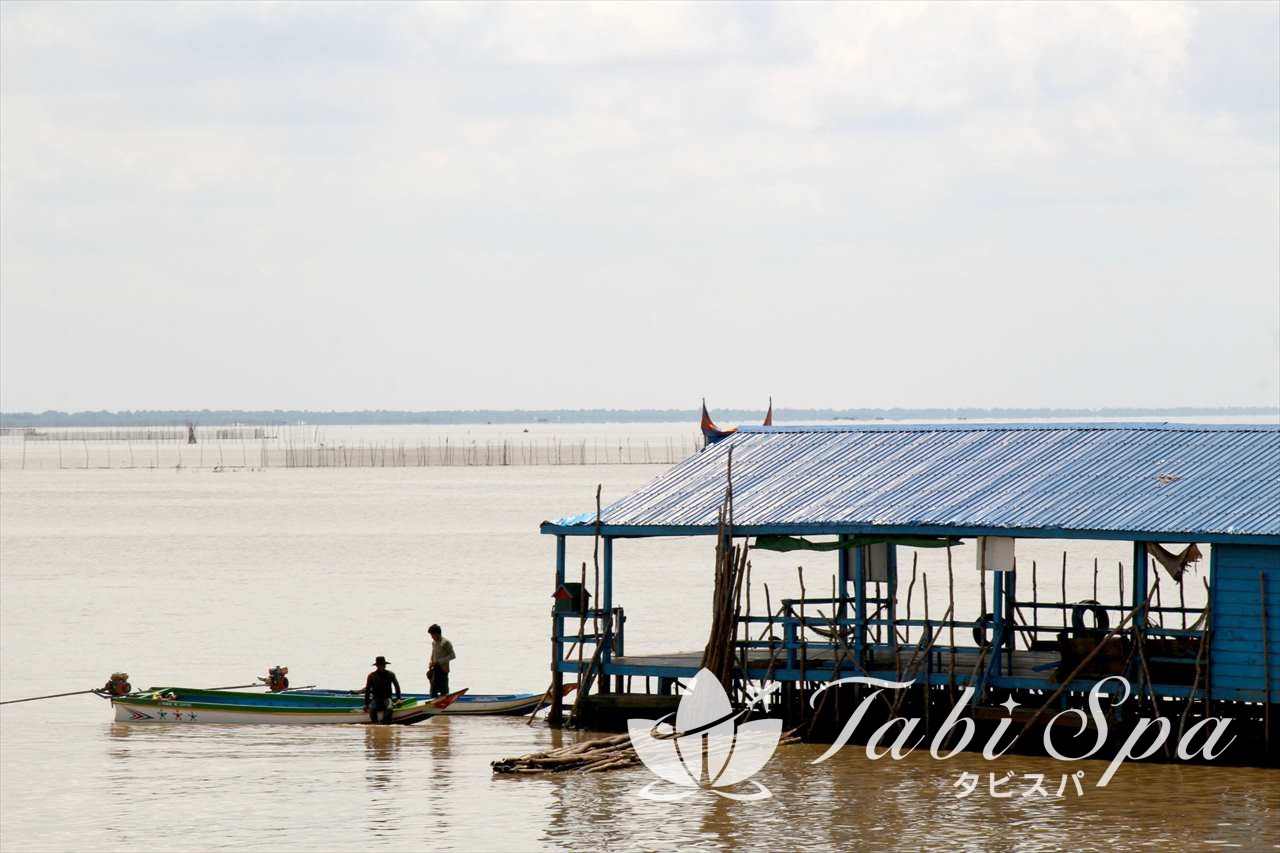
1101,621
985,621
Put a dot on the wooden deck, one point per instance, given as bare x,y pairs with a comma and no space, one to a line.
1026,664
1026,669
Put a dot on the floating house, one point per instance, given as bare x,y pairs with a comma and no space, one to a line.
864,491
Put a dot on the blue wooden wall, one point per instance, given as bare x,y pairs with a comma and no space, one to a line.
1237,654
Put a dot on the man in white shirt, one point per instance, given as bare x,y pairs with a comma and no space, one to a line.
438,668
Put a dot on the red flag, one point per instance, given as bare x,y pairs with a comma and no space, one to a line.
710,432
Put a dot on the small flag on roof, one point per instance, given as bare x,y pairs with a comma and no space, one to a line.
710,432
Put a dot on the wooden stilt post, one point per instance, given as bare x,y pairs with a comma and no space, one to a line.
997,619
1140,581
803,636
585,681
926,685
1010,592
859,606
842,581
1266,668
951,629
556,716
892,594
606,606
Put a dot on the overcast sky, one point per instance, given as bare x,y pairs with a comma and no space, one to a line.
540,205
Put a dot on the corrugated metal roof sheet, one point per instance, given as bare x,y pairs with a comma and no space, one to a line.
1153,478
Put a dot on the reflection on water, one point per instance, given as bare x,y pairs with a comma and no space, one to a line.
218,576
851,802
402,787
381,745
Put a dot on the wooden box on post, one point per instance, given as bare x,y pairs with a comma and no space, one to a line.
571,599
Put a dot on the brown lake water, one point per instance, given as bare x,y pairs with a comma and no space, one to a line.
204,578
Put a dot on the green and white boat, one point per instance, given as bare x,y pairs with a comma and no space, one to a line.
187,705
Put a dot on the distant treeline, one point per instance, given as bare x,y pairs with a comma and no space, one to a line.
216,417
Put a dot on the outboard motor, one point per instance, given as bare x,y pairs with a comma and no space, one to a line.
277,679
118,685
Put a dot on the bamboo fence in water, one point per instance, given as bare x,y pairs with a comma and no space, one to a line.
222,449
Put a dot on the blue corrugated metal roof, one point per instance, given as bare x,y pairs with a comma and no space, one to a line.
1132,478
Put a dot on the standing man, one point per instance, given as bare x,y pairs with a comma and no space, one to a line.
378,688
438,669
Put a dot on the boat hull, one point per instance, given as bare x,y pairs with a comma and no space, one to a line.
206,706
470,705
178,712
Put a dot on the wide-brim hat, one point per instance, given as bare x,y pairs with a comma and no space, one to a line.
379,660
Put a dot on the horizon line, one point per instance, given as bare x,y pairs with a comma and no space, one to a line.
160,417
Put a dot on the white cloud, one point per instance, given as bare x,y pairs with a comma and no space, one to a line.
662,183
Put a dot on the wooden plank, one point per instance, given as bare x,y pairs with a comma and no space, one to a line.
1246,638
1238,669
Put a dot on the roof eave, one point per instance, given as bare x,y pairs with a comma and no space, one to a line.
810,529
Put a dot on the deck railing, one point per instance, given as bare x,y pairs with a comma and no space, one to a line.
569,642
846,642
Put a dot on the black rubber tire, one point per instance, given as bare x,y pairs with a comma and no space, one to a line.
985,621
1101,620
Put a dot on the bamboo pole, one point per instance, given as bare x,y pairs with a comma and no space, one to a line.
1120,580
1208,664
1140,642
911,591
774,648
1153,571
1064,589
982,593
1035,604
1182,603
804,643
1195,683
918,657
50,696
582,620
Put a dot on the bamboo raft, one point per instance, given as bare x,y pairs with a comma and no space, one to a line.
592,756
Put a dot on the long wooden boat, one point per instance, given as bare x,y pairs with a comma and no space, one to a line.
188,705
470,705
